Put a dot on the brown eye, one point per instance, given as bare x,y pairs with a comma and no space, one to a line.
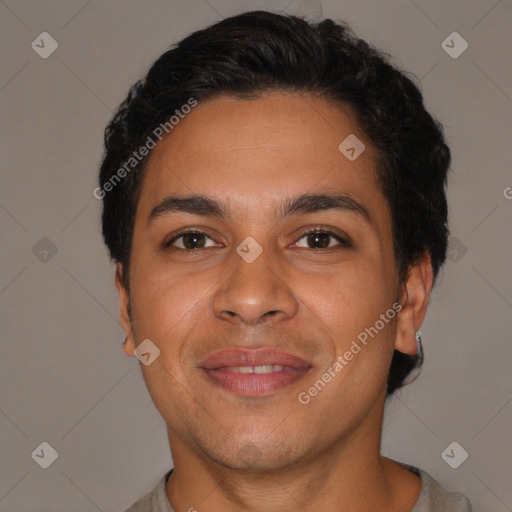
190,240
321,239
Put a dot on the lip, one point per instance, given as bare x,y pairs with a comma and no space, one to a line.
252,357
219,368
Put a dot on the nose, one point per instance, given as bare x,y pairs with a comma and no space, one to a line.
254,293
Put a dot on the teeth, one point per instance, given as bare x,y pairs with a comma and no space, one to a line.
268,368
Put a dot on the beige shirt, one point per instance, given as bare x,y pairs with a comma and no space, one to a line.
433,497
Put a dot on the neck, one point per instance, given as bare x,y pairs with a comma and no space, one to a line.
350,475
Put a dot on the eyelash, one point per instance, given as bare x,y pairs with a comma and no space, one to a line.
324,231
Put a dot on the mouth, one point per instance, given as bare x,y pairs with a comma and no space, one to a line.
255,372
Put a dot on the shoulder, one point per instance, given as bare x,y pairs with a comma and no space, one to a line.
142,505
154,501
434,498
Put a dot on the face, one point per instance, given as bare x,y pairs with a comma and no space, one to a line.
252,310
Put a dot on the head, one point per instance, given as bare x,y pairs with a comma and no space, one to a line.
249,113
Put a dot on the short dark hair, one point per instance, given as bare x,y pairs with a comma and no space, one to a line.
255,52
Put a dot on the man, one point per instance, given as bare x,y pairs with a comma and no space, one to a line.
274,198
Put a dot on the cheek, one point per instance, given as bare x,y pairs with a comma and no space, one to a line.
350,303
166,304
348,299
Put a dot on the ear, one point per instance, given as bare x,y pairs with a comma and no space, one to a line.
124,305
414,300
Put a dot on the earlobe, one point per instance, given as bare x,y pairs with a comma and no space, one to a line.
128,347
414,301
124,312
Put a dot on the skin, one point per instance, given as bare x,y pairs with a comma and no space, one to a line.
271,453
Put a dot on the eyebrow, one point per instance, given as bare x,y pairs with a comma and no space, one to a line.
303,204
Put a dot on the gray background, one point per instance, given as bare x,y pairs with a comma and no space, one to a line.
64,378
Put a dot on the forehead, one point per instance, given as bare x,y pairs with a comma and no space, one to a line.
251,153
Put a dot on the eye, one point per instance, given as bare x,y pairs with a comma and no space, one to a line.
321,239
189,240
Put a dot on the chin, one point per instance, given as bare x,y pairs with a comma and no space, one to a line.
254,456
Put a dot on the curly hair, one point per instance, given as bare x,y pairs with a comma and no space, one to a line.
254,52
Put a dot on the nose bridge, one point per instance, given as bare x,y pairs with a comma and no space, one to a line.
253,288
